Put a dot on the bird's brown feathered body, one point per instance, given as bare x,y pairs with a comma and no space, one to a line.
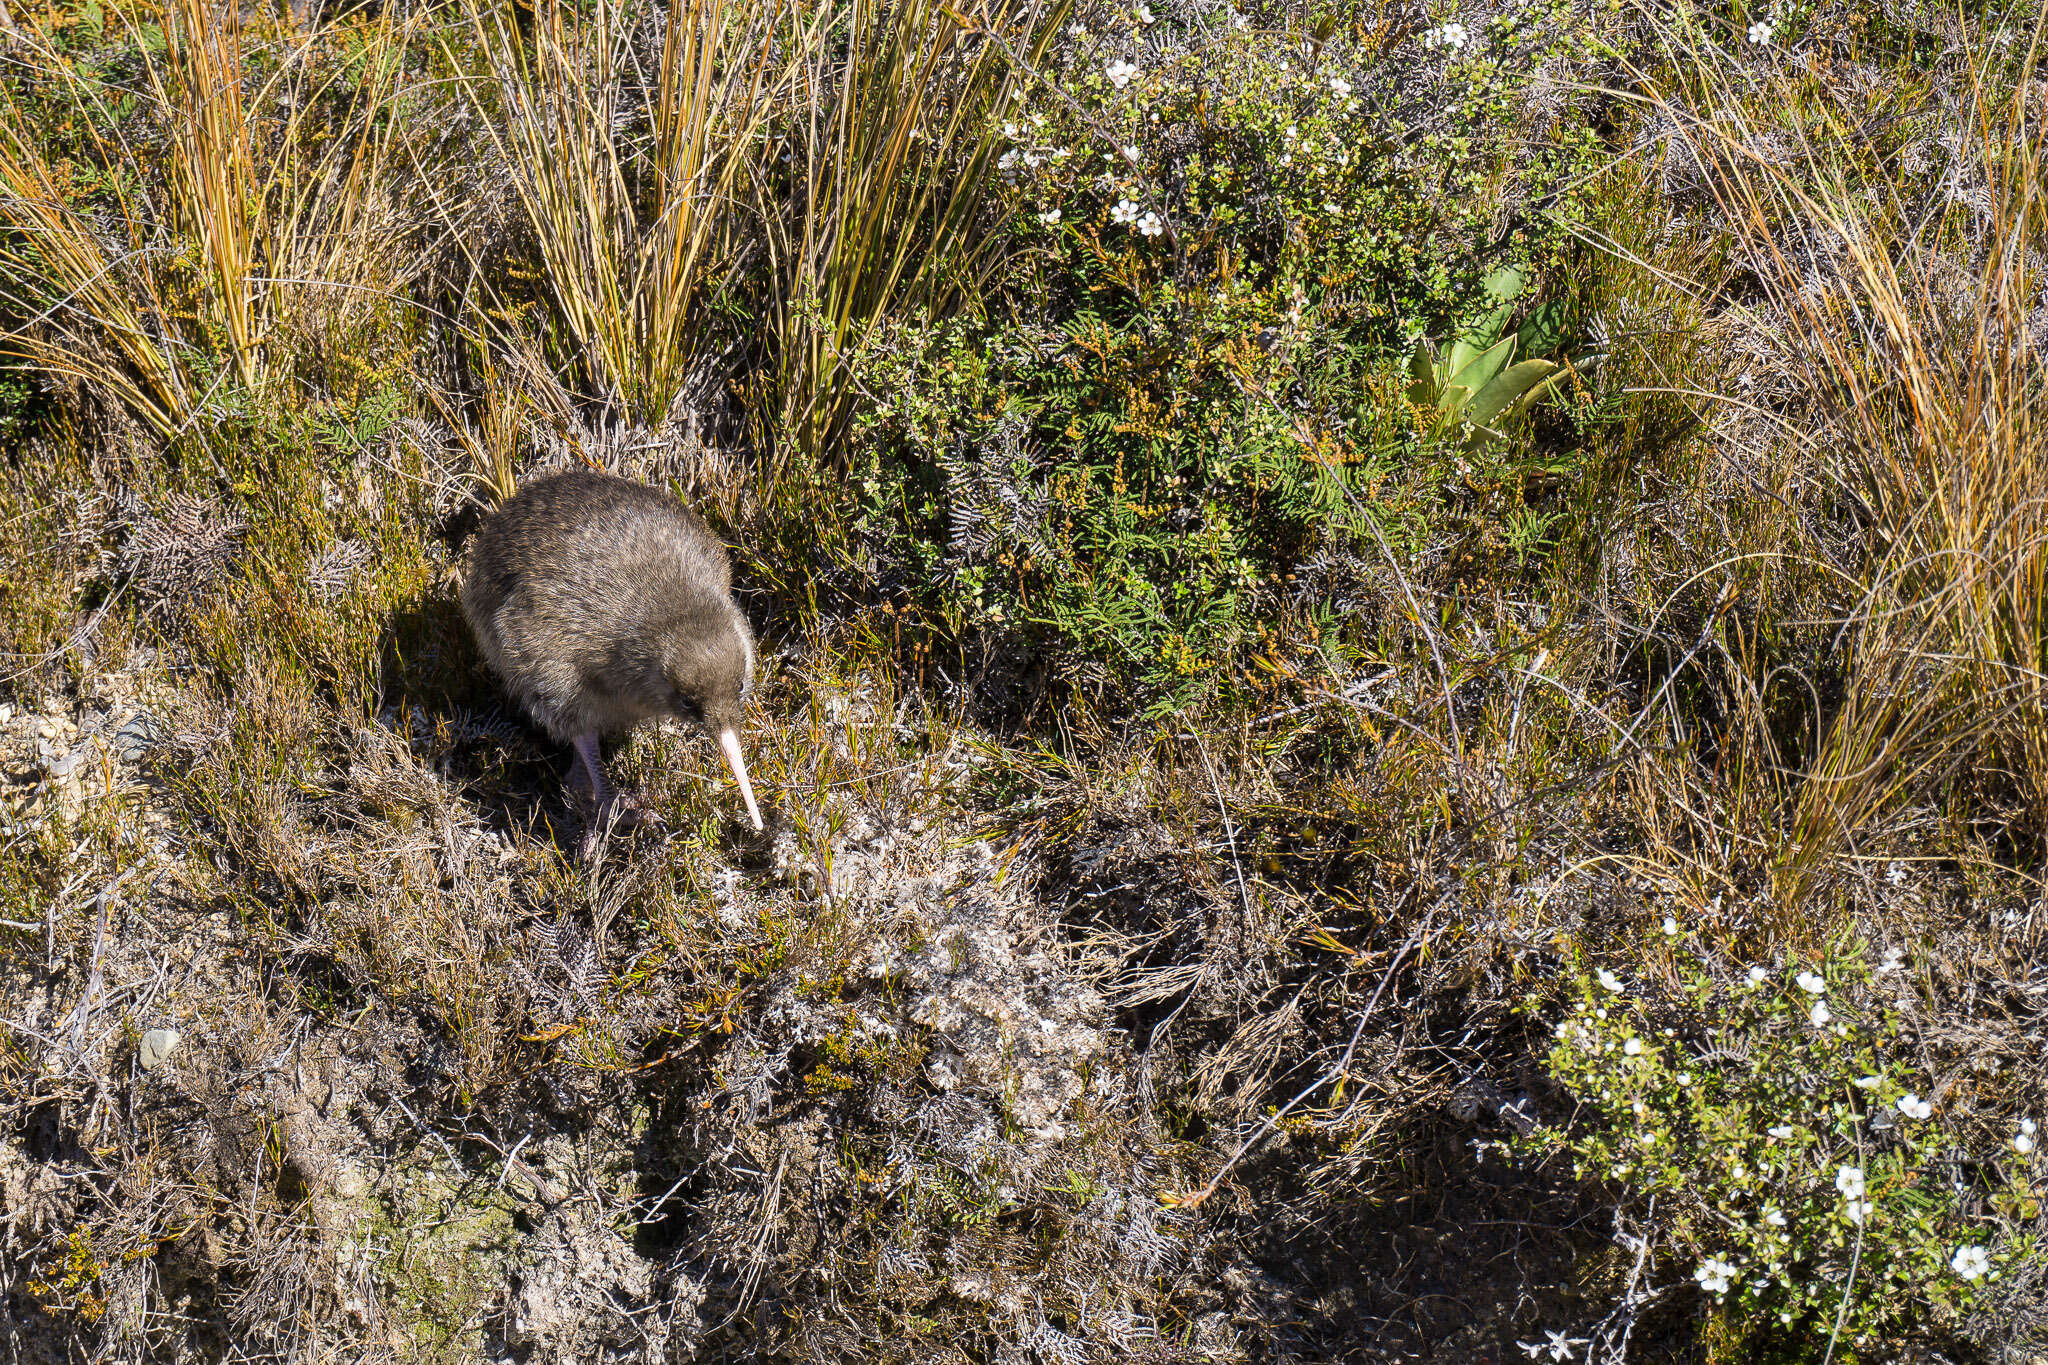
604,603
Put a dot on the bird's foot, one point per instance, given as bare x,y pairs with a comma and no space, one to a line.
615,813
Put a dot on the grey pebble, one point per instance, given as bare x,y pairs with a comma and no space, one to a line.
157,1045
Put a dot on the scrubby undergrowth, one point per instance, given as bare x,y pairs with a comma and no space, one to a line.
1401,703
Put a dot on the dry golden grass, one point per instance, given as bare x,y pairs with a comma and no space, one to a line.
246,224
1907,332
633,182
875,217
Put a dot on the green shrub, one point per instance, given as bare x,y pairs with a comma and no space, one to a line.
1197,380
1785,1141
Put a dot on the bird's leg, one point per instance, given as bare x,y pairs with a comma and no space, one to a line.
608,809
593,774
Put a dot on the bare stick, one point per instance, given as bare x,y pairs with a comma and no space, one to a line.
1343,1063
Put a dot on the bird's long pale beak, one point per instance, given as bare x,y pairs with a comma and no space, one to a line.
729,745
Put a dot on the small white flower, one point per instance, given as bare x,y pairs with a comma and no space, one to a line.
1867,1082
1050,217
1849,1180
1009,130
1774,1218
1120,73
1151,225
1145,14
1292,132
2028,1127
1760,32
1971,1262
1758,975
1131,155
1913,1107
2022,1143
1124,212
1609,980
1856,1210
1341,88
1670,927
1008,160
1560,1346
1451,35
1782,1131
1819,1013
1334,209
1895,873
1714,1275
1685,1078
1811,984
1634,1048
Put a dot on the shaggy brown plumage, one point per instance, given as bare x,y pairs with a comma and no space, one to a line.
603,603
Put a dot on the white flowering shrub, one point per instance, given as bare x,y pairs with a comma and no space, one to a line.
1227,244
1784,1145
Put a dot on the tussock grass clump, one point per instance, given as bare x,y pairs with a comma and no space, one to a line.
234,210
630,148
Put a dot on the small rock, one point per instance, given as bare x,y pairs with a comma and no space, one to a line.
137,736
157,1045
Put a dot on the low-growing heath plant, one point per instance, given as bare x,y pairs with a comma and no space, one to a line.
1784,1143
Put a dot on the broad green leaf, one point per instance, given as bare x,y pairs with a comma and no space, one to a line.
1543,331
1422,369
1504,284
1509,387
1479,371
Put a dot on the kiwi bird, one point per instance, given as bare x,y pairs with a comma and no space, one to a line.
603,603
